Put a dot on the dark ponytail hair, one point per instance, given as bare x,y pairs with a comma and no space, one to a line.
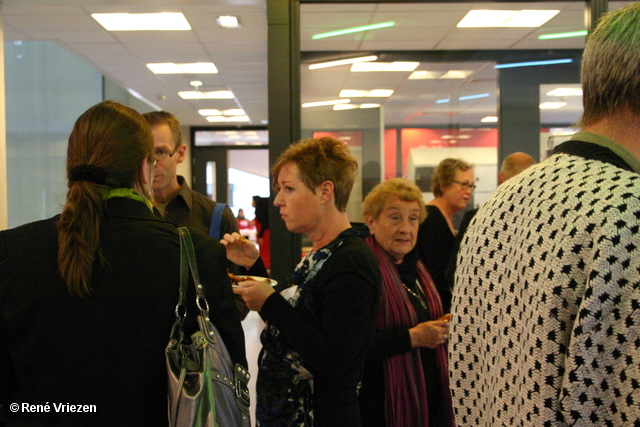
107,148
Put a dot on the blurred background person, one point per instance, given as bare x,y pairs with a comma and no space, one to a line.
88,296
405,381
243,222
261,221
513,164
452,184
321,321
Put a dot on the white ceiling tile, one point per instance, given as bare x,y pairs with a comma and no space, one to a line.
71,37
155,39
53,22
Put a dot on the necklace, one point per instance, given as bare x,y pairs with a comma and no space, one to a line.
417,296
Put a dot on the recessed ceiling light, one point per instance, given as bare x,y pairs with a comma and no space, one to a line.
451,74
376,93
443,101
353,30
210,112
234,112
552,105
565,91
383,66
342,62
369,105
489,119
223,119
506,18
380,93
456,74
424,75
142,21
533,63
480,95
563,35
323,103
228,21
344,107
218,94
188,68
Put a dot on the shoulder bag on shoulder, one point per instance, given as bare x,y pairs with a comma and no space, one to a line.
205,388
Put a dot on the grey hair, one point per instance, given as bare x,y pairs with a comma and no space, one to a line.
610,71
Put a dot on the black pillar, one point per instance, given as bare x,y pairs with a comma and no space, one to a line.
284,117
519,104
593,12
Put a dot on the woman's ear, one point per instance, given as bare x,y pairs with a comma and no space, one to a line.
146,179
326,191
370,223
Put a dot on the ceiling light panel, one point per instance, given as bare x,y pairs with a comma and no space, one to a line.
228,21
188,68
223,119
142,21
552,105
363,67
323,103
506,18
353,30
339,107
219,94
376,93
342,62
429,75
565,91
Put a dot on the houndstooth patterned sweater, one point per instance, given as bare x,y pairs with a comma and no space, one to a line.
545,327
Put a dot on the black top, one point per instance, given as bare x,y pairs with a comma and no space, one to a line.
107,349
434,244
334,340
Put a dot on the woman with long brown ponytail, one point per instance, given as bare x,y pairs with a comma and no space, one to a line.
87,298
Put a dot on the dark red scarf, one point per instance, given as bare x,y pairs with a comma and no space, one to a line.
405,389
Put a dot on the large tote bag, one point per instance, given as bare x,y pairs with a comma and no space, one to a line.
205,388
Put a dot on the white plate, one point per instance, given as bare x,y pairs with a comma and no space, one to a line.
242,278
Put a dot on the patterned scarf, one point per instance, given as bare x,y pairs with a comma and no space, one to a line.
405,388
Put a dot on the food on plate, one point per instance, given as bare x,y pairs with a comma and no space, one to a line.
237,278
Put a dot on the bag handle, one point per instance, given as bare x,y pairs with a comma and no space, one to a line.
188,251
181,306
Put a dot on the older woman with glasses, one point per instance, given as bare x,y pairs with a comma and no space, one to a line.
405,380
452,184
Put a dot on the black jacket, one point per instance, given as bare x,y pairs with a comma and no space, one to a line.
107,349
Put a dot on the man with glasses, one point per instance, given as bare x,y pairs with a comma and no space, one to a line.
174,199
545,320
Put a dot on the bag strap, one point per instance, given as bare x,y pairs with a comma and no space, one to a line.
216,220
186,247
181,307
